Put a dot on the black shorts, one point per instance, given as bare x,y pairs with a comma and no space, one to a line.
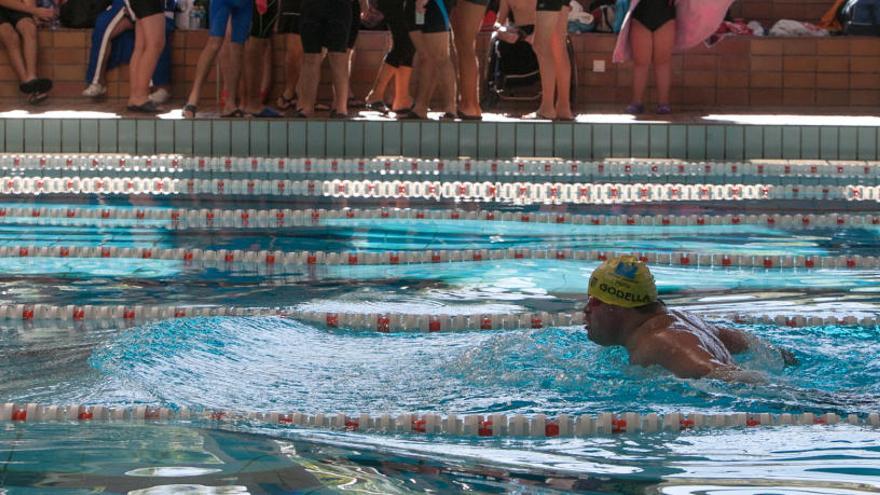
653,14
478,2
288,21
355,23
435,22
263,25
325,24
141,9
552,5
12,16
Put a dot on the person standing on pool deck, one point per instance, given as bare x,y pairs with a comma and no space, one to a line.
660,27
551,30
240,13
623,309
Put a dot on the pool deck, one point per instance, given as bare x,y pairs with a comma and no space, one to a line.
84,127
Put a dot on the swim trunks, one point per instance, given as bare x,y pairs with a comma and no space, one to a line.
140,9
552,5
288,22
654,14
239,11
12,16
263,24
325,24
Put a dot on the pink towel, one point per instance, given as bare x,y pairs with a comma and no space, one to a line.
696,20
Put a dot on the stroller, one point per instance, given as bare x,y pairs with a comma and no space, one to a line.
513,73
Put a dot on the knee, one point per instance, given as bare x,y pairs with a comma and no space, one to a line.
27,28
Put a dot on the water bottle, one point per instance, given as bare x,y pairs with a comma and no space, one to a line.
50,4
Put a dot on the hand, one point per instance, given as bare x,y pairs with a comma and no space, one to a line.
43,14
788,357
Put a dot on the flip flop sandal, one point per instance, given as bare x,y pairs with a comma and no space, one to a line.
535,116
266,113
408,115
235,114
191,109
149,107
464,116
448,116
336,115
36,98
377,106
285,103
298,114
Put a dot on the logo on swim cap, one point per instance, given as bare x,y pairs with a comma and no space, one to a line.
624,281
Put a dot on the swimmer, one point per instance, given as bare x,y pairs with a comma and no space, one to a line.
623,309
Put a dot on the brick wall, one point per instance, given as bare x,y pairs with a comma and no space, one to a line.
760,73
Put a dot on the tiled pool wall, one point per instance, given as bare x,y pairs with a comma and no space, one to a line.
427,139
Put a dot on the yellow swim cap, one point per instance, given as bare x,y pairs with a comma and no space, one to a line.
624,281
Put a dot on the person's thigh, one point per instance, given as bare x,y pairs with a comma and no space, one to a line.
641,39
663,43
219,12
337,25
241,15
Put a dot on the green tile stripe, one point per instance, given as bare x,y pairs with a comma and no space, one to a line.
485,140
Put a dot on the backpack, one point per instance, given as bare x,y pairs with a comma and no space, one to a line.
860,17
80,14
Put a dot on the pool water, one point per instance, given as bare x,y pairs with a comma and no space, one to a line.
252,364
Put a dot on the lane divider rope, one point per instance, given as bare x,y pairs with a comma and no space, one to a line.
182,218
485,191
471,425
234,259
611,168
380,322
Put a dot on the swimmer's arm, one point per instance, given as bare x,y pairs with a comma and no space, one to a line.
690,361
738,341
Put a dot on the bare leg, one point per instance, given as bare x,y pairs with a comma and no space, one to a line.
232,75
339,66
433,48
466,20
402,97
380,85
641,40
563,67
205,63
545,24
255,48
28,30
294,61
309,79
266,77
664,40
12,42
143,61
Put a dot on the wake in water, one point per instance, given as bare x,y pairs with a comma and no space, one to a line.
278,364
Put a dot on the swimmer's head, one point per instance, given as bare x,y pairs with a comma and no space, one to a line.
617,288
623,281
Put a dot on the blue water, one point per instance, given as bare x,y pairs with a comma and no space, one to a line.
270,363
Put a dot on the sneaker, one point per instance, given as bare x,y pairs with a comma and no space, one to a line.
160,96
95,90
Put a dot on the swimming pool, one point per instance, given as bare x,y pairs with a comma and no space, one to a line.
261,302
